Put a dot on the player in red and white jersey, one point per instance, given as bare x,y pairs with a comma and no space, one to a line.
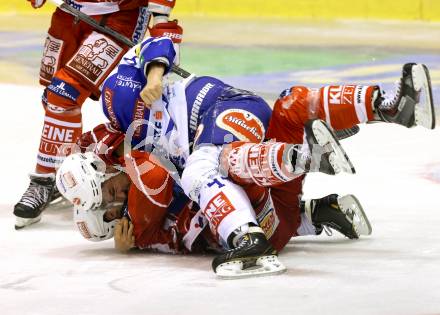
161,216
76,60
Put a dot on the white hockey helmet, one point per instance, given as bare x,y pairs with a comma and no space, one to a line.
92,225
79,180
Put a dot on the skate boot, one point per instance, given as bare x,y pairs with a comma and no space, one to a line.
413,103
344,214
251,255
346,133
40,193
327,154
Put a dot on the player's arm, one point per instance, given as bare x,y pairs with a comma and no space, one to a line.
156,56
153,89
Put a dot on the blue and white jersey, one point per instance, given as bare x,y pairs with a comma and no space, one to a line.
188,107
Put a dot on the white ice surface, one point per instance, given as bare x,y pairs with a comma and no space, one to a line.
49,269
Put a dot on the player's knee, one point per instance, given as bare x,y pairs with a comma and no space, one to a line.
64,95
201,167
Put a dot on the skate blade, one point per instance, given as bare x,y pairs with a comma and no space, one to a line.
23,222
338,158
424,110
264,266
361,224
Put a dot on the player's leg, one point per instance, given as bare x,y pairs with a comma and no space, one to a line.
345,106
237,115
76,61
272,163
58,48
230,215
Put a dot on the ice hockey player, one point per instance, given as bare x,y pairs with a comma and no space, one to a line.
164,219
189,122
76,60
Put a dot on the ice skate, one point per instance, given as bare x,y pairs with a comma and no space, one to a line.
253,256
327,154
39,194
346,133
344,214
413,103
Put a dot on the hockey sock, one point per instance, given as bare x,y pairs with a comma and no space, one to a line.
265,164
226,206
59,132
62,101
347,105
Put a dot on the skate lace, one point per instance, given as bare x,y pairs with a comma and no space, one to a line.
36,195
389,102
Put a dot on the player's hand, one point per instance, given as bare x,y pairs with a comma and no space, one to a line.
124,238
37,3
104,140
153,89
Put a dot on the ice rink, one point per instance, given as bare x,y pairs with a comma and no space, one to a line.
50,269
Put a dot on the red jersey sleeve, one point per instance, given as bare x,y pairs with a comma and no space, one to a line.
150,194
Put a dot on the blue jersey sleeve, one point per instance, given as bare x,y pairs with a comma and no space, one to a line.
158,49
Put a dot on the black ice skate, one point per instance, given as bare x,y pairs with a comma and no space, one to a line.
40,193
346,133
253,256
327,154
413,103
344,214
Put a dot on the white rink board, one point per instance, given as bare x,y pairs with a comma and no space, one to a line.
49,269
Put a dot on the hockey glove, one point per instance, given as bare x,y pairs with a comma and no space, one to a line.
103,140
172,30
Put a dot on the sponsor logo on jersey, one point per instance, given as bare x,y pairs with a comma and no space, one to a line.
55,109
128,82
47,160
74,4
217,209
108,101
50,60
195,108
82,227
57,134
141,24
242,124
63,89
267,219
95,58
139,110
342,94
172,35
